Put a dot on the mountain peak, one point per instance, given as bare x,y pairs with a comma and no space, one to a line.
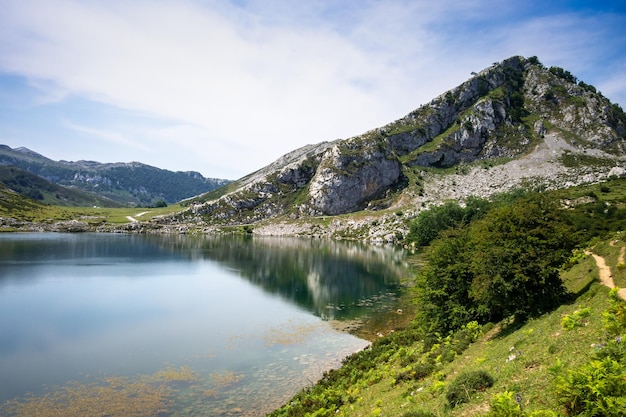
25,151
500,115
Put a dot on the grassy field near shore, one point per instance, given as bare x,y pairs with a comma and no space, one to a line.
26,210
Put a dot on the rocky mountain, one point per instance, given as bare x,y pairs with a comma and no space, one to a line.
515,123
126,183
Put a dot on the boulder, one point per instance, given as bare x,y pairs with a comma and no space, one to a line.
617,172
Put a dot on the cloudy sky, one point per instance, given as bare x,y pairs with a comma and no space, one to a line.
225,87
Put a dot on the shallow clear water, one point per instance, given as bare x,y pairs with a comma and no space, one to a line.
220,325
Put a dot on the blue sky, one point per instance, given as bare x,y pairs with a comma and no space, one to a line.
226,87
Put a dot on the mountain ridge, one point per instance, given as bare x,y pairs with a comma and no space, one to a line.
128,183
501,114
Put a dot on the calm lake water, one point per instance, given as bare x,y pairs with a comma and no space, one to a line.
179,325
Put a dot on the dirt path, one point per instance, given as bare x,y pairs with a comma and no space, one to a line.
134,220
606,278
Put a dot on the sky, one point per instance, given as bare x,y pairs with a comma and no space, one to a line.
225,87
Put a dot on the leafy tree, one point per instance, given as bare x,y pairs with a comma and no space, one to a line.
517,251
563,74
535,61
442,290
430,223
587,87
506,263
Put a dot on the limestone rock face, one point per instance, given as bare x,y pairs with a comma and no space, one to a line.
574,108
461,125
299,174
617,172
547,128
350,175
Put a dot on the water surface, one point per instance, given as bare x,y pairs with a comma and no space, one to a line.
200,325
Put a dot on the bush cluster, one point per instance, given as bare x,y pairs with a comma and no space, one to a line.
598,387
506,263
467,384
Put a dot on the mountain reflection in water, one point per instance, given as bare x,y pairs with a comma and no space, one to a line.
333,280
78,310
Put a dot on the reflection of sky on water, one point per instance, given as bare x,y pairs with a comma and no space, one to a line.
126,305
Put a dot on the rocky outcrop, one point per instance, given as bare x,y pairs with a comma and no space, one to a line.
350,175
504,113
70,226
576,108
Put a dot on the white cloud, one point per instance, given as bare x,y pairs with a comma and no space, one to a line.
112,137
237,86
269,88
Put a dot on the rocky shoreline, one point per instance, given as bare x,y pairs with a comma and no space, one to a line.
541,168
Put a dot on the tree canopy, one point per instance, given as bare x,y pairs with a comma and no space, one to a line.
430,223
506,263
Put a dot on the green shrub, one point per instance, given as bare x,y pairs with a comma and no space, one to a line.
418,413
613,349
576,319
416,372
563,74
508,404
466,384
505,405
595,389
614,318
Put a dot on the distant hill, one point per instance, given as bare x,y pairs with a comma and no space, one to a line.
36,188
11,201
131,183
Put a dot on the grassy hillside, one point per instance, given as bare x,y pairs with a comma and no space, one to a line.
37,188
407,375
567,361
23,209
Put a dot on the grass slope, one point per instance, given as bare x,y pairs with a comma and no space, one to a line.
37,188
23,209
525,361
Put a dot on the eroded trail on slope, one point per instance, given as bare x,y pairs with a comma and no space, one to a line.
606,278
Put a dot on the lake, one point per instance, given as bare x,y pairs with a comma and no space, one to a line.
180,325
